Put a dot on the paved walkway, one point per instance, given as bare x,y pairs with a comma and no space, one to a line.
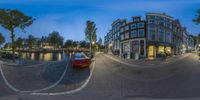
146,62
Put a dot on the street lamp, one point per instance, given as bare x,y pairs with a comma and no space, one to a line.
93,42
199,45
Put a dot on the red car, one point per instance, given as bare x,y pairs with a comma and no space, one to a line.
80,60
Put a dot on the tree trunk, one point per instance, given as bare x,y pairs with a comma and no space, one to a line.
13,46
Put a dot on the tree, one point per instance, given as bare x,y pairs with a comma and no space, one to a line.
197,19
55,39
68,44
83,44
75,44
90,33
100,41
19,42
7,45
31,40
12,19
198,39
2,39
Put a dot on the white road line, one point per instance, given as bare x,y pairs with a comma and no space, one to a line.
71,91
128,64
37,90
132,65
7,83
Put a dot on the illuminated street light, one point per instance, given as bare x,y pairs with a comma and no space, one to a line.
93,42
199,45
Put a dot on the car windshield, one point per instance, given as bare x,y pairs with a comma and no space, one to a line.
79,55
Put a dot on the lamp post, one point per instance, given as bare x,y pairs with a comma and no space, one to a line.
91,48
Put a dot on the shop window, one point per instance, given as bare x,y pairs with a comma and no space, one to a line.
168,50
161,49
141,47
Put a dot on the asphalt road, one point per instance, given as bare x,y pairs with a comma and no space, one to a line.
112,80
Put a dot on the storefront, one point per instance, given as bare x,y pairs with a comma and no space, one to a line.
157,50
151,52
133,49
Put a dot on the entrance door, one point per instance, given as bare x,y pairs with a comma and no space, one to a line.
151,53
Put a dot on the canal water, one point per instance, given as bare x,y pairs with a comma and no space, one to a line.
44,56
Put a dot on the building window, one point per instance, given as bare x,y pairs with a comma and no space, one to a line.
161,49
126,35
121,30
126,47
141,47
168,50
151,17
122,36
141,33
134,33
168,36
151,33
135,46
140,25
133,26
161,35
126,28
161,23
151,21
136,19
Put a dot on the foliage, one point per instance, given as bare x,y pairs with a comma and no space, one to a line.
31,40
12,19
19,42
84,44
55,39
197,19
2,39
68,43
90,31
100,41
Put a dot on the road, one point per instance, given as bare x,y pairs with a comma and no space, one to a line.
112,80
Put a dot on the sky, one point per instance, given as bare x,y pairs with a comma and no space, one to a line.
69,17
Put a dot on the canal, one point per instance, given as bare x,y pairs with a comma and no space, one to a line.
43,56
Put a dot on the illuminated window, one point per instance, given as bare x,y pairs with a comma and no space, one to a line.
168,50
161,49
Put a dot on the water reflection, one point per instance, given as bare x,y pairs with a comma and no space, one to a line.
44,56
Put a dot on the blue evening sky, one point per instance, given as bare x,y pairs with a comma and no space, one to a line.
69,16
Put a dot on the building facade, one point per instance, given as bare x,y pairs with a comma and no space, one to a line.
157,36
177,37
133,42
115,31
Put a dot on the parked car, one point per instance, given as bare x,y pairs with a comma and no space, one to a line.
80,60
8,56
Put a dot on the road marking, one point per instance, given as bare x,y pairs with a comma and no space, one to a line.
71,91
128,64
149,66
7,83
37,90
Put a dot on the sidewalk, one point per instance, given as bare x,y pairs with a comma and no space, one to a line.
145,62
